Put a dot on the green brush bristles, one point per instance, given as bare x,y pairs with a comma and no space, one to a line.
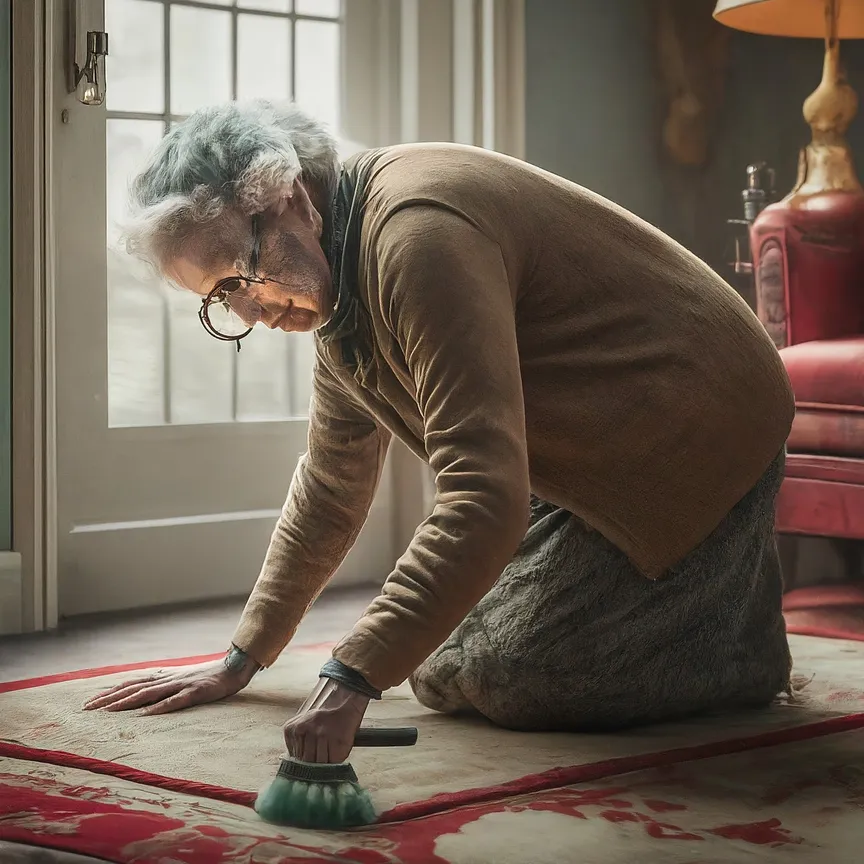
304,803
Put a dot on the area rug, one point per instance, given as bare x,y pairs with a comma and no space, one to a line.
798,802
92,777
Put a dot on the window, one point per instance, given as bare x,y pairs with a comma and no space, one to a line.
167,58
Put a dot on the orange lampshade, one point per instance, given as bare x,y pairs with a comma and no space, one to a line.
791,17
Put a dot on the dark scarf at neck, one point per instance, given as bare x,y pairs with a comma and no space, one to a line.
349,324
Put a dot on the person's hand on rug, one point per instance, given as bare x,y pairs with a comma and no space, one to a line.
323,729
173,691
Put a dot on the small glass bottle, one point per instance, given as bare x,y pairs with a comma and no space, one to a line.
760,190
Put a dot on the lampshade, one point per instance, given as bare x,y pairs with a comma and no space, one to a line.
790,17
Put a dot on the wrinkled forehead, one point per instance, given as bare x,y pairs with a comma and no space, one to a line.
209,249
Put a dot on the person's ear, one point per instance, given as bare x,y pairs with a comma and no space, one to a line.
296,200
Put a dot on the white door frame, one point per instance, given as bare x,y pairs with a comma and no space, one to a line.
435,102
33,427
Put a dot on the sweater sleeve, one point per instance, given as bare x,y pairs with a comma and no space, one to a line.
327,505
445,294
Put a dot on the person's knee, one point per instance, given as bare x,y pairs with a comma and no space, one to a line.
442,695
436,682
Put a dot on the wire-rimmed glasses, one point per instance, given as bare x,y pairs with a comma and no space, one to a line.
230,310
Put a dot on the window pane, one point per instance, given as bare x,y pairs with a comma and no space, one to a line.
135,305
263,375
128,145
201,366
135,64
266,5
135,346
324,8
318,69
200,58
263,57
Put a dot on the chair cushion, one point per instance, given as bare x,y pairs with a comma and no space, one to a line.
830,469
827,431
822,496
828,373
828,380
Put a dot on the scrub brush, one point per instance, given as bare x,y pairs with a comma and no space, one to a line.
322,795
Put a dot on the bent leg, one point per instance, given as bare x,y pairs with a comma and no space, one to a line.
573,637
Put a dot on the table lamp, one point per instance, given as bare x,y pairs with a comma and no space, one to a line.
812,240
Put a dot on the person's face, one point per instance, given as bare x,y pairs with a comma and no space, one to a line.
289,285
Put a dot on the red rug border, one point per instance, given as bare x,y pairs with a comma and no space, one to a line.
62,759
99,671
553,779
593,771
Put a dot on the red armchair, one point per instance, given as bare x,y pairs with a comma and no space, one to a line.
812,304
811,301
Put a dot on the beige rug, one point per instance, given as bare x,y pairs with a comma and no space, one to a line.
770,787
236,745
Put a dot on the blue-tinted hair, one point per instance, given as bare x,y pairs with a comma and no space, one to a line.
241,156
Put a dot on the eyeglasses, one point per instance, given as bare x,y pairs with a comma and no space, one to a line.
230,310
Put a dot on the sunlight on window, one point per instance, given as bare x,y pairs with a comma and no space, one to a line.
316,82
263,57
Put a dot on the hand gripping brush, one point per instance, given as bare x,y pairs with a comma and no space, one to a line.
326,796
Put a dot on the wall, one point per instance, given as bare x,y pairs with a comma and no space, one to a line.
590,106
593,115
5,284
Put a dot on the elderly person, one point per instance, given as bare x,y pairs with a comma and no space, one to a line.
604,416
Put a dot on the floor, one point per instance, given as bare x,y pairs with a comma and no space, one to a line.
157,634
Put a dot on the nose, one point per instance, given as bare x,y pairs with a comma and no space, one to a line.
269,312
273,305
271,317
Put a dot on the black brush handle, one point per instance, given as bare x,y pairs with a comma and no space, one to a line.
380,736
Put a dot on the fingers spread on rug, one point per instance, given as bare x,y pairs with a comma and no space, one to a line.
108,696
171,691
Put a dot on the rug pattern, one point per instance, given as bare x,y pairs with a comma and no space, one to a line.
782,785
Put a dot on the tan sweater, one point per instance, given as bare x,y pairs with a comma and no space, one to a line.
528,336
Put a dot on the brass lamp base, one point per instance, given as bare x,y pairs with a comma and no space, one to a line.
826,163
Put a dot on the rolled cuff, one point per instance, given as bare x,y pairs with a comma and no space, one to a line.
251,640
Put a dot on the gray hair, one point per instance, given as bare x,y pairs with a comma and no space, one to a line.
235,159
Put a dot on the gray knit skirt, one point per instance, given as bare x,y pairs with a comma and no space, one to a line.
572,637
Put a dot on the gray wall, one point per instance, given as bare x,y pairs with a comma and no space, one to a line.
593,115
590,106
5,285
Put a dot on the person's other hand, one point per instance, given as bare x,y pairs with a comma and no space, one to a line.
324,729
164,692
